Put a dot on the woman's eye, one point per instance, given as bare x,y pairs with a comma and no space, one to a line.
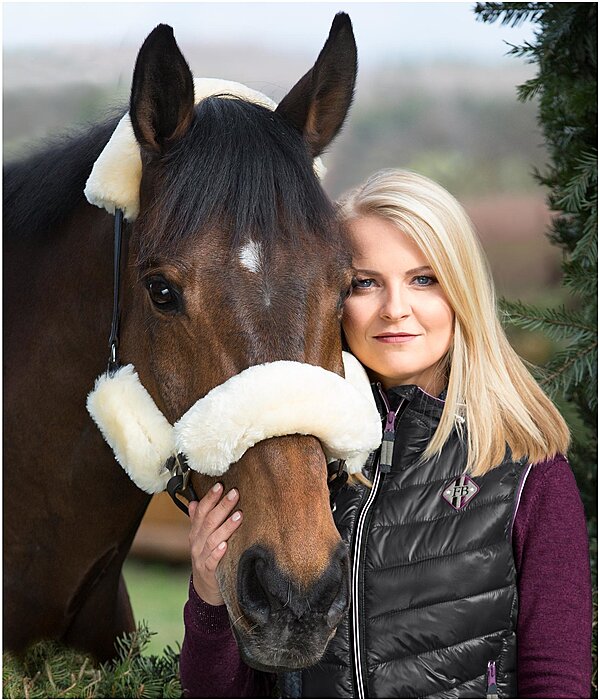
424,280
163,296
362,284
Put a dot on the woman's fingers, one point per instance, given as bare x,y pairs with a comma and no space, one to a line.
209,513
212,524
205,523
209,500
223,533
215,557
199,509
217,515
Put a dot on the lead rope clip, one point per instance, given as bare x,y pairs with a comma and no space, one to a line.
179,484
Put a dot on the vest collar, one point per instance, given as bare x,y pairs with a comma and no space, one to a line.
418,401
421,415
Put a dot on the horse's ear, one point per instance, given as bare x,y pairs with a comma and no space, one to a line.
317,105
162,92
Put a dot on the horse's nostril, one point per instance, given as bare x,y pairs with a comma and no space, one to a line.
340,602
254,599
263,589
337,586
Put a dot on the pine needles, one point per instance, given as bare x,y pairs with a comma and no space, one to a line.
566,87
50,670
565,52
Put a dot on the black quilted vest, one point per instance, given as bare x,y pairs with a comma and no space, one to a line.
435,587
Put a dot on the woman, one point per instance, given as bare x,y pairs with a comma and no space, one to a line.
470,570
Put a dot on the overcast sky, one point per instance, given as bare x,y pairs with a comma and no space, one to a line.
398,30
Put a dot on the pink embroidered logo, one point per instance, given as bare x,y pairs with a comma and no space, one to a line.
460,492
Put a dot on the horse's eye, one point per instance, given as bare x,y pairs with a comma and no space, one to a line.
163,296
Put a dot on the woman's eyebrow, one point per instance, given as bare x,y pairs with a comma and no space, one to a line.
414,271
365,272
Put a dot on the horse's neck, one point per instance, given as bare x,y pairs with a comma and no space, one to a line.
80,510
57,323
58,293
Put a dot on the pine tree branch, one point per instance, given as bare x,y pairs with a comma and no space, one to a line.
559,323
569,368
581,277
514,14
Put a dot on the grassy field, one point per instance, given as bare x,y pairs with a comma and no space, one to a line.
158,592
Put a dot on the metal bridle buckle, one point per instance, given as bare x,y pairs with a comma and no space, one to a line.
336,478
179,484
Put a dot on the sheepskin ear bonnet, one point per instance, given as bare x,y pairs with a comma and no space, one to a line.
114,182
263,401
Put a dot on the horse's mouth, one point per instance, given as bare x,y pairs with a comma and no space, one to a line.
278,648
279,624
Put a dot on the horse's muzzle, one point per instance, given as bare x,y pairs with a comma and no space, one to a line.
288,626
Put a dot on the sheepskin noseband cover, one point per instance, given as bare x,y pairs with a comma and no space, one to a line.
264,401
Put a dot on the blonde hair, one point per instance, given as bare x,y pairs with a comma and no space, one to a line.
492,399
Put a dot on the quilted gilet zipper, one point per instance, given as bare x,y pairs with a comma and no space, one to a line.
383,466
492,688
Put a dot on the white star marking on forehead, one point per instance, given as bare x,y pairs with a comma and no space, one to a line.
250,256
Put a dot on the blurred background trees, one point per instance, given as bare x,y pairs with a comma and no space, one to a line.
565,53
565,87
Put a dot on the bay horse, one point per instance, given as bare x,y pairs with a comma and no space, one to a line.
215,176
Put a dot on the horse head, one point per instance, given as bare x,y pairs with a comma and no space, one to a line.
236,260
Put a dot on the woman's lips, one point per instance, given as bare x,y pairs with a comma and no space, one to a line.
395,337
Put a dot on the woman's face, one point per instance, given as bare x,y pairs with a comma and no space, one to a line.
397,321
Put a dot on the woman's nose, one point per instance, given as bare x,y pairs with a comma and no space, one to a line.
396,305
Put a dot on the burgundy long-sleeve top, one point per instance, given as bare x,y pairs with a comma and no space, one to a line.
554,626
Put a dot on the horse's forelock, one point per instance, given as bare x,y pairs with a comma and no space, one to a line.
243,170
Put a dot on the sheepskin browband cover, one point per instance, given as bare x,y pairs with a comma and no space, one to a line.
114,182
264,401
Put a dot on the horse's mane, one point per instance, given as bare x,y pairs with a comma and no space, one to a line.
240,167
243,169
43,188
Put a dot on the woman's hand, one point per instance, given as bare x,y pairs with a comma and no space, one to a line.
211,527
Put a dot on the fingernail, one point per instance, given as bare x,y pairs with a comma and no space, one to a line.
216,487
232,495
236,516
222,545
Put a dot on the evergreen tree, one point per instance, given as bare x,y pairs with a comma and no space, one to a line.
565,51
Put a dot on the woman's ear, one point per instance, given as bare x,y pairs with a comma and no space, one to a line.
162,92
319,102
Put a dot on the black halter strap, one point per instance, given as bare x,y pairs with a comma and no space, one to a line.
113,341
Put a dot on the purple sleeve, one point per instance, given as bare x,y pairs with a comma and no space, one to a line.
554,627
210,665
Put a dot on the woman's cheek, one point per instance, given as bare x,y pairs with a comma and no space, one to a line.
351,318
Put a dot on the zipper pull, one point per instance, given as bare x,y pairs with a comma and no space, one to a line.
387,444
492,689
